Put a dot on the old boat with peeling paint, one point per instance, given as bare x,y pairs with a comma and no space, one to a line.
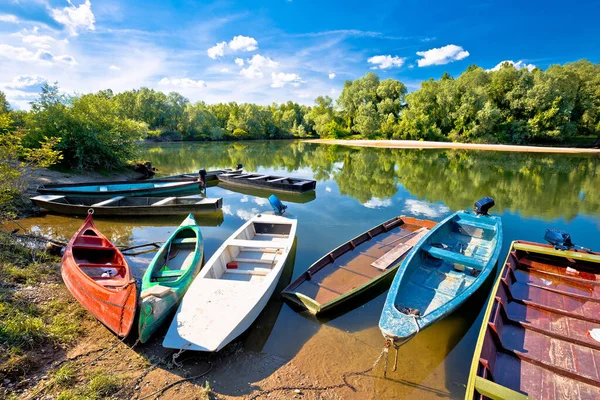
128,206
540,337
270,182
169,275
234,285
446,267
357,265
99,277
152,187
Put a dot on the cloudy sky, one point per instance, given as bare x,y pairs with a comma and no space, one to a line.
277,50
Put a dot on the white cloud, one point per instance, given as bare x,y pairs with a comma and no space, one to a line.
244,199
75,18
442,55
417,207
331,75
281,79
518,65
182,82
243,43
227,209
238,43
255,66
224,70
385,62
114,68
41,41
23,81
9,18
260,201
327,189
246,215
22,54
217,50
376,202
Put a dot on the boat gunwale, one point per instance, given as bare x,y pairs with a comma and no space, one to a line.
528,247
292,295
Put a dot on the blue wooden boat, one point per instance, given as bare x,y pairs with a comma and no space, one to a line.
441,271
153,187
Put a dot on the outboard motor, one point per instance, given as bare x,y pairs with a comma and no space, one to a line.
483,205
278,207
202,174
561,240
239,166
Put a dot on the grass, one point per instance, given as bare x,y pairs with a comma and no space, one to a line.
99,385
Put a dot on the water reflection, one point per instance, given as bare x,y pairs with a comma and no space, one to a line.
534,184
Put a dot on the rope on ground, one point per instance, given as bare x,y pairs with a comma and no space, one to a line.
159,392
345,377
105,353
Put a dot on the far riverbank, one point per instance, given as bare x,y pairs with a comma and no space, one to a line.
415,144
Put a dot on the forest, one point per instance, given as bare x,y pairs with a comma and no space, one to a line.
100,130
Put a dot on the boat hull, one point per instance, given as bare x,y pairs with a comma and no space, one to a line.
270,182
153,187
396,231
113,303
535,340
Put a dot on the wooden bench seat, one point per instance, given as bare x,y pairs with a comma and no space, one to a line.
109,201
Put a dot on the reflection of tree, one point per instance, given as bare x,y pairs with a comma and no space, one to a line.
550,185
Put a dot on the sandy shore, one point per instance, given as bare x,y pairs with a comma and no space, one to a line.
414,144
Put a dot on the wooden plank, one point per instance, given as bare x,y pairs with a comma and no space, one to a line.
261,272
391,256
262,244
258,177
163,201
109,201
419,235
278,179
255,260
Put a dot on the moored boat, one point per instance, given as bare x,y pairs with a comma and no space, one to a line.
152,187
271,182
357,265
234,285
540,336
446,267
99,277
169,275
124,205
212,175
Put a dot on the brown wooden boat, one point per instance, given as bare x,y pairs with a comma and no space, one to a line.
541,333
356,265
98,276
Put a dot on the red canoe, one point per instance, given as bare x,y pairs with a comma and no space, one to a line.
98,276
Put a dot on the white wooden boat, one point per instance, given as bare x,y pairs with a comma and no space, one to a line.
234,285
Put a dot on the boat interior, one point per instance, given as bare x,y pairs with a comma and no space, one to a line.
252,255
448,262
351,265
129,201
538,340
267,178
175,258
120,186
99,259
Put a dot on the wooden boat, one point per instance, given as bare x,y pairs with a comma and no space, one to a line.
122,205
271,182
446,267
541,333
234,285
169,275
98,276
357,265
210,175
152,187
291,197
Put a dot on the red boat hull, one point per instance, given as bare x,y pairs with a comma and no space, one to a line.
99,277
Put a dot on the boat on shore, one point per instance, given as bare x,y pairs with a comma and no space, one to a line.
234,286
151,187
169,275
446,267
357,265
540,336
128,206
270,182
99,277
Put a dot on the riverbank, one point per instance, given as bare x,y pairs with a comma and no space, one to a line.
415,144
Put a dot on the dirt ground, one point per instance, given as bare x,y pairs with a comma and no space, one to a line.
415,144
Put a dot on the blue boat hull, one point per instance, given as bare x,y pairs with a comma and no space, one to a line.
446,267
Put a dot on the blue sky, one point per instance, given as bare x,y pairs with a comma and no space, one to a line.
266,51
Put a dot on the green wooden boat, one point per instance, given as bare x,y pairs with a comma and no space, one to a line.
169,275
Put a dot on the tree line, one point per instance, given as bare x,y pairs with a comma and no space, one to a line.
509,105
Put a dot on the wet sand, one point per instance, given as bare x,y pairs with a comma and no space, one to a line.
415,144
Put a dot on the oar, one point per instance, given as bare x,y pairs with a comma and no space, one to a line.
400,238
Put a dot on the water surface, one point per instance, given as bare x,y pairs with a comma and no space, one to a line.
358,188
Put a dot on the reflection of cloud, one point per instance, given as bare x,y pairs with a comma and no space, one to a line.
260,201
376,202
417,207
327,189
246,215
227,209
244,199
